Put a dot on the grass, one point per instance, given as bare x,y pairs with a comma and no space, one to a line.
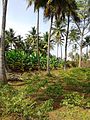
63,96
65,113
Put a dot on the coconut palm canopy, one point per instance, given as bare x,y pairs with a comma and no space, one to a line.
56,8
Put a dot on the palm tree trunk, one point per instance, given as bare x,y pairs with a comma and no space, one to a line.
48,50
57,49
38,38
66,42
80,56
2,45
87,51
61,52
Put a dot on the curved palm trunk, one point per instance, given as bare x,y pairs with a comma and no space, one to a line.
2,46
38,38
48,50
66,43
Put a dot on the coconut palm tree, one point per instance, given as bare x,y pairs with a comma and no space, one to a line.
18,43
43,44
86,44
30,2
12,41
70,12
48,13
58,33
30,41
54,8
48,50
84,24
2,46
59,9
9,38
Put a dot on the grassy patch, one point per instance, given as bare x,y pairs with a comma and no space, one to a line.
66,113
37,94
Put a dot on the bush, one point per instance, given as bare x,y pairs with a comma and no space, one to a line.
70,64
42,110
18,60
54,90
72,99
43,62
56,63
35,84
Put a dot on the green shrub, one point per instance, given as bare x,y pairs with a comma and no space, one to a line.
72,81
56,63
19,60
77,77
43,62
54,90
71,64
72,99
35,84
42,110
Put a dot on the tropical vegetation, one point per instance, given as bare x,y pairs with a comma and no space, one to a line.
36,84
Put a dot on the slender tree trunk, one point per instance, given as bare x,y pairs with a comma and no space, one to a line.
38,38
80,56
57,49
2,45
48,50
89,54
66,42
61,52
87,51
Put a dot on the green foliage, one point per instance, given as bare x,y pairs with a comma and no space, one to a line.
44,108
77,79
87,103
43,62
72,99
13,101
19,60
54,62
72,113
6,94
71,81
71,64
35,84
31,100
54,90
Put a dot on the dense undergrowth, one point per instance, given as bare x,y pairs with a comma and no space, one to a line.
40,94
19,60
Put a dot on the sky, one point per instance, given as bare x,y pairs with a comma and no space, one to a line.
22,19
